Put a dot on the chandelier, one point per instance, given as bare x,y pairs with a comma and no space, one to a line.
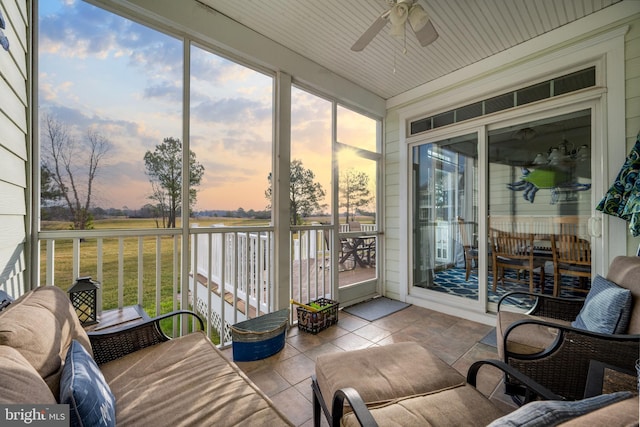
564,153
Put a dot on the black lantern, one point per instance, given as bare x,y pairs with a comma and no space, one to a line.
84,298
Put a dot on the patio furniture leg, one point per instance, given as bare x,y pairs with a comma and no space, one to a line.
319,406
316,410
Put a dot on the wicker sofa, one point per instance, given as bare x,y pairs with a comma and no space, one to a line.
154,380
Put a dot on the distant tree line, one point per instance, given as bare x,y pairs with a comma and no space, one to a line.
148,211
70,166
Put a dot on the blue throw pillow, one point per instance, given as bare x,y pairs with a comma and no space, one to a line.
84,389
553,412
606,308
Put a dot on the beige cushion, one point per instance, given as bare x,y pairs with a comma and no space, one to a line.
20,381
459,406
625,272
186,381
381,374
525,339
621,414
41,325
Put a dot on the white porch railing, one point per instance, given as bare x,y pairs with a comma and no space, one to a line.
231,269
236,266
144,267
310,270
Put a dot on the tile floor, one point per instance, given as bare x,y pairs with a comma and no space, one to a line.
285,377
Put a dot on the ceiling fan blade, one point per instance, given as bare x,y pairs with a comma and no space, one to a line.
371,32
427,34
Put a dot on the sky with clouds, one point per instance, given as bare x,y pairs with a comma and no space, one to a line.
101,72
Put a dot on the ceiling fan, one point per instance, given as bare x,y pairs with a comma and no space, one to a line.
400,12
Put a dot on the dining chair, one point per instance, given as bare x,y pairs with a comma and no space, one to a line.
347,258
514,251
571,254
469,246
346,251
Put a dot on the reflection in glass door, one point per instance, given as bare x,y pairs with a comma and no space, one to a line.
445,217
539,193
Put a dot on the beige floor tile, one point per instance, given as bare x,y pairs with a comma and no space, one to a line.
372,332
285,376
322,349
305,341
296,368
351,342
333,332
269,380
351,323
294,405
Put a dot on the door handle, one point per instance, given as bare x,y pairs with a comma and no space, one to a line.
595,226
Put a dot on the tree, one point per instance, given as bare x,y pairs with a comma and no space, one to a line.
72,166
305,194
164,169
49,191
354,191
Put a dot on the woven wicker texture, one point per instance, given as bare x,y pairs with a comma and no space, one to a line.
564,367
108,346
565,371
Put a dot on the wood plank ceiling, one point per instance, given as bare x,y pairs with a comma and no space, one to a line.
469,30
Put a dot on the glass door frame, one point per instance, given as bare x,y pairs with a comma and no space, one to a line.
361,291
435,296
600,183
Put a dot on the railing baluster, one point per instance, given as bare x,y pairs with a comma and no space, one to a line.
246,276
50,270
221,286
120,272
76,258
158,273
208,283
175,277
269,297
194,268
140,269
258,274
100,275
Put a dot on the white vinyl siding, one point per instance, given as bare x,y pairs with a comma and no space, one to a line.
392,204
13,148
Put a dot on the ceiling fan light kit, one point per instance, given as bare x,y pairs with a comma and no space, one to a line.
400,12
398,18
418,18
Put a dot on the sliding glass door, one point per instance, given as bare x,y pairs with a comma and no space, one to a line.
445,212
539,191
532,186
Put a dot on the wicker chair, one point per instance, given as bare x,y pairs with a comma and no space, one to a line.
543,345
